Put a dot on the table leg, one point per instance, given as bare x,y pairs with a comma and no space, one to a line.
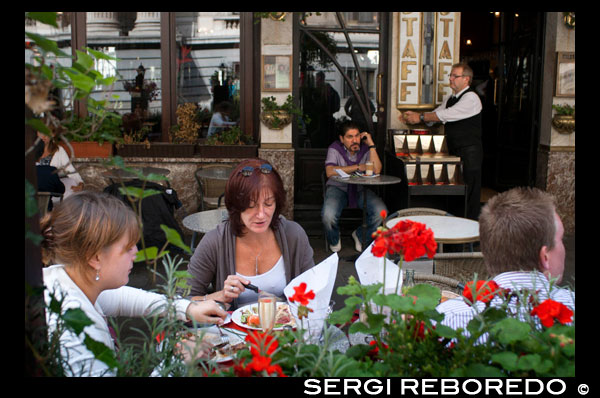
364,223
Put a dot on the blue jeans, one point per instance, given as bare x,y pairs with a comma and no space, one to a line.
336,200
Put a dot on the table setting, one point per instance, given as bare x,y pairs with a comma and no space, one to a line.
277,314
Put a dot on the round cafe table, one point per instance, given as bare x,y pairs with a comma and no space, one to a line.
446,229
204,221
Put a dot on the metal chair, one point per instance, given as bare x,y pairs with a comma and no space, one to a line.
212,190
44,199
349,215
460,266
417,211
442,282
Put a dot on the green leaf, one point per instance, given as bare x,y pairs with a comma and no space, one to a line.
137,192
101,352
75,319
510,330
508,360
148,253
80,81
38,125
101,55
84,60
46,45
31,206
529,362
48,18
174,238
480,370
445,331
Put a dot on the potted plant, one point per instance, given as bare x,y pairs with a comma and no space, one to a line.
276,116
183,137
90,137
230,143
564,118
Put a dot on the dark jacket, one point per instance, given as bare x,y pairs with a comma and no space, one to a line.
156,210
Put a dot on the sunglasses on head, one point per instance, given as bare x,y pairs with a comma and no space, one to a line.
248,170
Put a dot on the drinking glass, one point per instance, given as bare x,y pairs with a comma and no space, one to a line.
267,308
369,168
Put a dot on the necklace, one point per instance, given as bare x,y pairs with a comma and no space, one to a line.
256,261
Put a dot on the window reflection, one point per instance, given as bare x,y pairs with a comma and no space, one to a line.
208,68
134,39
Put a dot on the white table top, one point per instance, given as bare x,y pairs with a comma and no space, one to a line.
379,180
446,229
205,221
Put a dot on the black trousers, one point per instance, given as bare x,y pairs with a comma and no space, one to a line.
472,158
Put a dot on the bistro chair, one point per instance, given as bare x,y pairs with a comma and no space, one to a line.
349,215
417,211
44,198
439,281
460,266
212,190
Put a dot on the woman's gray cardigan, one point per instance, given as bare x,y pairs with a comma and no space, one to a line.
214,258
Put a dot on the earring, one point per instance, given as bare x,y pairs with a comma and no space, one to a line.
97,275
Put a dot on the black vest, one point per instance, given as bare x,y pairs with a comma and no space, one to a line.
465,132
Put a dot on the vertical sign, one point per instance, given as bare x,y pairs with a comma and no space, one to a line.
446,52
409,81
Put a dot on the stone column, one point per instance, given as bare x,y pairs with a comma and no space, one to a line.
102,24
146,24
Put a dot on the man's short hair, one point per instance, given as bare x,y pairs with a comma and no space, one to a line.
466,70
348,125
514,226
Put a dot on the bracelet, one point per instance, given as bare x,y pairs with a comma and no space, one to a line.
372,146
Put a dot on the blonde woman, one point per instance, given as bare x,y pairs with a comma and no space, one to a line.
90,238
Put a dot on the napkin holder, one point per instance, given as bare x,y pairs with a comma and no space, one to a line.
400,145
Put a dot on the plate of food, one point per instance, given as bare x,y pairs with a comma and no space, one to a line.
212,345
247,317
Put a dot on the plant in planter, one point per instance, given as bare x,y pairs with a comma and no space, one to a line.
564,118
230,143
277,116
186,130
90,136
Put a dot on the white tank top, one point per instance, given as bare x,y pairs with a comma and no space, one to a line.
272,281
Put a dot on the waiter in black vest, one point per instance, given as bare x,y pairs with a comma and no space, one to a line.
461,115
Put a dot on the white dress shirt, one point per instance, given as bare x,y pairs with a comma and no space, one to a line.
469,105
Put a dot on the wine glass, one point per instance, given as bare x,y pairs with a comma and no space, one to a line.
267,308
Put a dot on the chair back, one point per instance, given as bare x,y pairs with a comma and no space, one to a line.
461,266
211,190
417,211
439,281
44,198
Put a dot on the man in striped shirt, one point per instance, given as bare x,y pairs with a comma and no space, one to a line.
521,241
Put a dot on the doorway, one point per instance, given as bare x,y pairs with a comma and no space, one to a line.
505,51
341,73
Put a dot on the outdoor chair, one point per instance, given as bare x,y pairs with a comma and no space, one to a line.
460,266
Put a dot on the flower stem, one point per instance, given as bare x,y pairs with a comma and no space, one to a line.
399,272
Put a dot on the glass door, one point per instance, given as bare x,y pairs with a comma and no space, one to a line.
340,63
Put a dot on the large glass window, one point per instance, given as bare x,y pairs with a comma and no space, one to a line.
325,89
62,36
134,39
208,68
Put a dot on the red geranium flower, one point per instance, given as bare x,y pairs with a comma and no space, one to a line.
549,310
261,343
484,291
301,296
409,238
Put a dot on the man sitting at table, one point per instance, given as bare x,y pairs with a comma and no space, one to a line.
350,154
521,241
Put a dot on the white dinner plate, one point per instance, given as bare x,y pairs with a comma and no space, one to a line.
236,317
211,334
